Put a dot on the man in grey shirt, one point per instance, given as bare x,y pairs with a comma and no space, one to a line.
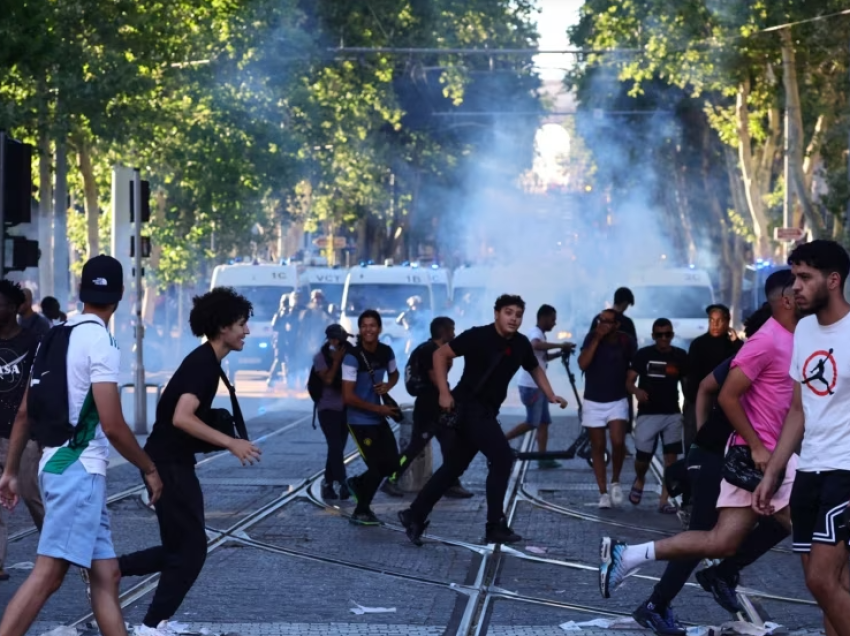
30,320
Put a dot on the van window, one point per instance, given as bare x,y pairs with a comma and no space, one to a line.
670,301
332,292
441,296
264,298
387,299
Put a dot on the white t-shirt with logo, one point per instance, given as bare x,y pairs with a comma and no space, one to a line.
525,379
93,357
821,364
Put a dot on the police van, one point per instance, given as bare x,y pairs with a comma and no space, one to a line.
680,294
263,284
386,289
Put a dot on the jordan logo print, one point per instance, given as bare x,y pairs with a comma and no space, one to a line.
820,373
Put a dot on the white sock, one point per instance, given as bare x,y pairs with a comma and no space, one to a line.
636,555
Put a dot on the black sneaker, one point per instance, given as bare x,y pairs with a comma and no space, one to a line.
660,620
343,491
328,491
391,489
499,532
413,529
721,589
352,484
458,492
366,518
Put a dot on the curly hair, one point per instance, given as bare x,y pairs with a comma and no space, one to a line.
217,309
12,292
507,300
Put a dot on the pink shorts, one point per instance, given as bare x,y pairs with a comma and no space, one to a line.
734,497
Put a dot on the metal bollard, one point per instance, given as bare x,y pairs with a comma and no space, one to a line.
421,468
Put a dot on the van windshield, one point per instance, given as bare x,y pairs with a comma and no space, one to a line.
387,299
670,301
264,298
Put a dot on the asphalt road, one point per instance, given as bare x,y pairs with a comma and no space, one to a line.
281,561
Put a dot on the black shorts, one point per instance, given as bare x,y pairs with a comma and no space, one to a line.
818,501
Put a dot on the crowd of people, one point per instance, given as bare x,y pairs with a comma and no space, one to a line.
746,407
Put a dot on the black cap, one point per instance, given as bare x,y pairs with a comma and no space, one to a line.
102,281
336,332
778,280
718,307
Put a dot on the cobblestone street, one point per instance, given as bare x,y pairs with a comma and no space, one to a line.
282,563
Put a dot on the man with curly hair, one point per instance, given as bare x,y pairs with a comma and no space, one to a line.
17,348
220,316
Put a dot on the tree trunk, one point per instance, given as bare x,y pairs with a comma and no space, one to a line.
91,199
45,215
737,279
722,230
795,134
748,167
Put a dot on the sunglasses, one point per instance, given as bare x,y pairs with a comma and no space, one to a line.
662,334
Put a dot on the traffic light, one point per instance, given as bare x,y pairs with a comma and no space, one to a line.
146,247
16,179
146,204
21,253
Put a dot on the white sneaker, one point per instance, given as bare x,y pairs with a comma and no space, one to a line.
616,495
605,501
173,627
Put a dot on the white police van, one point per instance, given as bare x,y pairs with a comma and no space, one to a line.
263,284
384,288
680,294
330,280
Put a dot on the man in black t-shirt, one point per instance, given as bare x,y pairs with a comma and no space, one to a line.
654,377
426,407
17,350
492,355
220,316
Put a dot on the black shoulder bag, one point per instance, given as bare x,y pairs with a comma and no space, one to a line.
449,419
386,398
740,470
231,424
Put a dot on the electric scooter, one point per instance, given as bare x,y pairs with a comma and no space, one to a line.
581,446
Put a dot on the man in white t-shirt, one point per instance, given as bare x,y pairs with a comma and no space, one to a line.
820,365
72,476
537,415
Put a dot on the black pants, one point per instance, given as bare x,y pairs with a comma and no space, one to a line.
336,433
378,448
180,558
704,472
425,428
477,431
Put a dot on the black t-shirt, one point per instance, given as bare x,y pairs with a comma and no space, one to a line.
626,325
605,378
704,355
659,374
481,348
716,431
16,356
197,375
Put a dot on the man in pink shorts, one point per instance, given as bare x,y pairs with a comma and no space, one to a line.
756,397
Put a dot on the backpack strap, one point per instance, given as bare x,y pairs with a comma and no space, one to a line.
238,420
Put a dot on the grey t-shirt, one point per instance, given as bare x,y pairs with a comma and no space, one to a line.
331,399
37,324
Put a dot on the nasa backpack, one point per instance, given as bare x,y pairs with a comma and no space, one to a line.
47,400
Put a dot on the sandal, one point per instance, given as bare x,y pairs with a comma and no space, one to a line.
635,495
668,509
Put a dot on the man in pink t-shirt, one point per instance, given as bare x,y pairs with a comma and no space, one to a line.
755,398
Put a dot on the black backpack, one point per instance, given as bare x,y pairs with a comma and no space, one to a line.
414,380
47,401
315,384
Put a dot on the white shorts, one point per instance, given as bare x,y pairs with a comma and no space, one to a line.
598,414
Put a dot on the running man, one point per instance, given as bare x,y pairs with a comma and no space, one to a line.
537,417
73,480
821,409
492,355
756,397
